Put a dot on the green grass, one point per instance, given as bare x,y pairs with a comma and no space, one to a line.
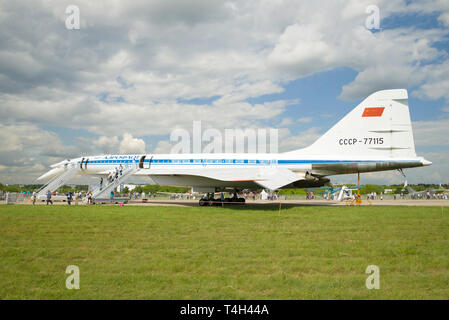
215,253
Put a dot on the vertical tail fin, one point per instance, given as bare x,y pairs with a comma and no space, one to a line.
379,126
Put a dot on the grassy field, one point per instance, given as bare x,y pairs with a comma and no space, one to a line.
215,253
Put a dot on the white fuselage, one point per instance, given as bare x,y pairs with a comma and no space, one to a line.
375,136
190,169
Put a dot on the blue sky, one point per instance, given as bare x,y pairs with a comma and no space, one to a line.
134,72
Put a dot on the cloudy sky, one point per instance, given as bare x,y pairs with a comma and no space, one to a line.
136,70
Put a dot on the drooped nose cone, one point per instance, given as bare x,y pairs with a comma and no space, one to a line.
426,162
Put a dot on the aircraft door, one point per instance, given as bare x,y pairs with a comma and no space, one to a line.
142,161
145,164
148,165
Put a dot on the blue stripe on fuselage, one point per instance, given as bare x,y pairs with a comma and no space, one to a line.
233,161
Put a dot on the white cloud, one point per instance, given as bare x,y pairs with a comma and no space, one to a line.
444,18
135,68
304,120
337,37
113,144
131,145
438,172
163,146
26,149
290,142
302,50
106,144
379,77
437,84
25,138
431,133
285,122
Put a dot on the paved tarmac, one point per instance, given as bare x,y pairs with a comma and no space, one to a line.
284,203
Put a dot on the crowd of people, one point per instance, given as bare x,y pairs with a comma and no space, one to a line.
113,175
70,196
374,196
77,196
425,195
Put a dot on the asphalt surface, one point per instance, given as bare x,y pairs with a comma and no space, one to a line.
262,203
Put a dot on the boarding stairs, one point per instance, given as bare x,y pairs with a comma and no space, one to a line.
104,192
70,170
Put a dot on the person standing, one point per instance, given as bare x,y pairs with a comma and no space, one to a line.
33,197
101,183
49,197
111,196
69,197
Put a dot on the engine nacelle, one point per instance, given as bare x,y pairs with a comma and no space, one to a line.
311,181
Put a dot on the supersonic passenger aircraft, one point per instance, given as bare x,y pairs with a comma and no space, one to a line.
374,136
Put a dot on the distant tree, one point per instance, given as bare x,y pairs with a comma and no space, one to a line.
156,188
293,191
81,187
12,188
398,190
419,187
369,188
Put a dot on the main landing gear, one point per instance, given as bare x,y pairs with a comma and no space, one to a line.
209,200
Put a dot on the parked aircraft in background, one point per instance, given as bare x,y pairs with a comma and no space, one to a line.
342,193
375,136
423,193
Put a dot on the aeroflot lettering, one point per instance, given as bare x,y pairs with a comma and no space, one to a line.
121,157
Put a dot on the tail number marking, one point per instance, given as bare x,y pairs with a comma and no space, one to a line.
353,141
